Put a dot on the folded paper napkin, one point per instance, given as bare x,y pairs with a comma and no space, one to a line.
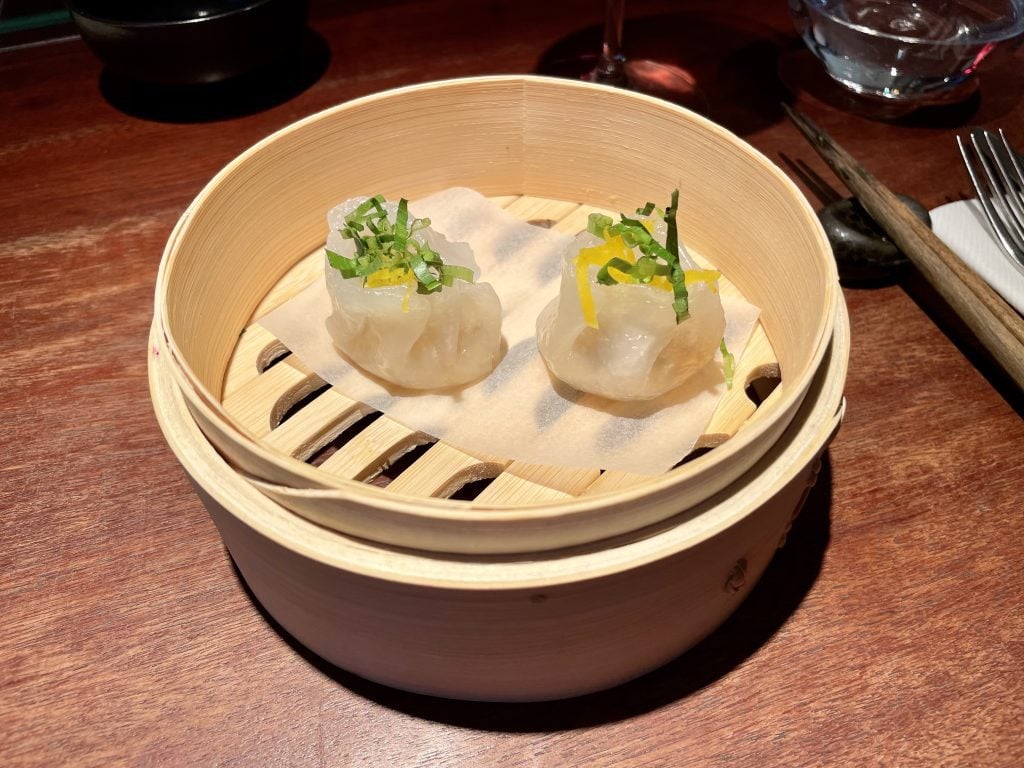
963,227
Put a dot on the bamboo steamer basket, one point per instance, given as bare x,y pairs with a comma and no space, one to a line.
248,238
510,628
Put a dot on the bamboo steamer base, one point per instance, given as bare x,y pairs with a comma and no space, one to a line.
547,583
264,384
547,626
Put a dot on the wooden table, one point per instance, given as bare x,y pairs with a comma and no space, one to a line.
888,631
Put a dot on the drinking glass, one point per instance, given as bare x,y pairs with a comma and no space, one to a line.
914,51
614,68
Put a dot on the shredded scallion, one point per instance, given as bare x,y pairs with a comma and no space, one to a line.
381,244
655,261
728,364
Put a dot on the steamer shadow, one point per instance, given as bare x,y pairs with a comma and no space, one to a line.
787,580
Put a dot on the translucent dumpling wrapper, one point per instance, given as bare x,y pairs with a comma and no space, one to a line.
446,338
622,341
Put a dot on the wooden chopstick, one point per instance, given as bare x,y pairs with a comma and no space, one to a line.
996,324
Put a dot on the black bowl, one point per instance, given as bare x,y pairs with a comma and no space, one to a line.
179,42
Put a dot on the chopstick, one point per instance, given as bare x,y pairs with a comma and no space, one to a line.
996,324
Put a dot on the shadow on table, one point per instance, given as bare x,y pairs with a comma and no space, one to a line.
729,62
786,581
247,94
959,333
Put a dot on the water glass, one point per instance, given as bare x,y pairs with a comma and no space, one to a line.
907,50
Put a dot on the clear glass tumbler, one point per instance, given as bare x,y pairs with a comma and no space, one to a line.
907,50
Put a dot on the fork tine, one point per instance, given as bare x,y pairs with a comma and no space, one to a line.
984,194
1014,158
1017,174
996,184
985,198
1010,185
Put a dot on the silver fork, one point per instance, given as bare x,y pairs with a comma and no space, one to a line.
1000,189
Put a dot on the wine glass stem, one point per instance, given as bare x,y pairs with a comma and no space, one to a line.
611,69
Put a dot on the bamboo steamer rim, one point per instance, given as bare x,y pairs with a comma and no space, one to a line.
804,441
439,509
202,401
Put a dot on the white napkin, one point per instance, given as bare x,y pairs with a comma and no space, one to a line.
963,227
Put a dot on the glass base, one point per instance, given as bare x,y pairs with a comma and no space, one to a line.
950,94
654,78
665,81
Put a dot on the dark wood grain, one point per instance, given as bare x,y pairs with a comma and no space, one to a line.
888,631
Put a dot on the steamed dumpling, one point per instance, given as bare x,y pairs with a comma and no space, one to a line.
387,326
625,341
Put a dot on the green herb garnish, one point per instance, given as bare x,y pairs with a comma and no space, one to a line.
655,260
728,364
381,244
597,223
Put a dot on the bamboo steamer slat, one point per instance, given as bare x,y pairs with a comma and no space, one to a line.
504,136
502,628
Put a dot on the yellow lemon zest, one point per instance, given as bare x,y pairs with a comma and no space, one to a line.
598,256
661,282
386,276
709,276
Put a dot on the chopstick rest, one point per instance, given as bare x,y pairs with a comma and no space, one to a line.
862,250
